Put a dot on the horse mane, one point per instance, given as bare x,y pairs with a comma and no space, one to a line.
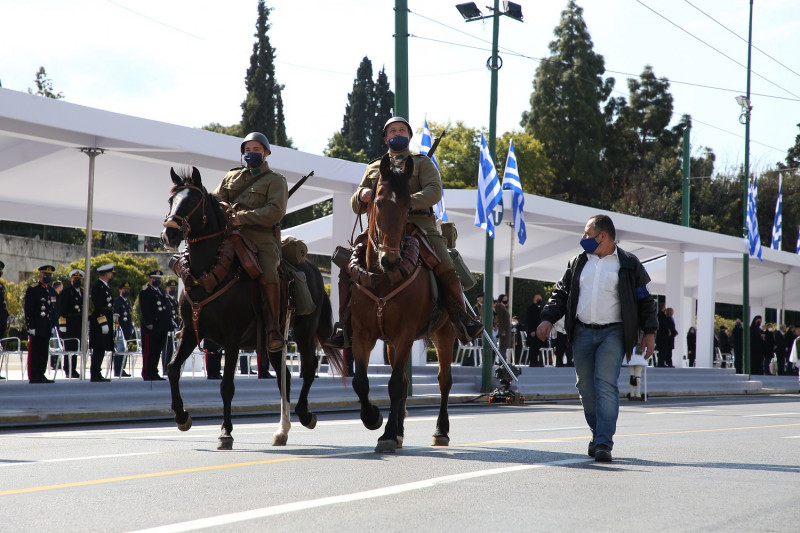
398,182
186,179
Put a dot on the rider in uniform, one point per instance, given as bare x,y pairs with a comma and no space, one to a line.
69,322
258,196
39,321
426,191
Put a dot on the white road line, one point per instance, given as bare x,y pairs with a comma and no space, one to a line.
772,414
67,459
792,437
681,412
216,521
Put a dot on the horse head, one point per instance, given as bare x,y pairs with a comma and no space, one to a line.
187,213
390,208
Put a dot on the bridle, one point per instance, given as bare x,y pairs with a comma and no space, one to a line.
182,224
374,233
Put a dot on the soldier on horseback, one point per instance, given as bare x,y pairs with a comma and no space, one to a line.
258,197
426,191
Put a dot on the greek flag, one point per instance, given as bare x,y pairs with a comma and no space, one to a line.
512,182
489,193
425,147
777,226
798,240
752,222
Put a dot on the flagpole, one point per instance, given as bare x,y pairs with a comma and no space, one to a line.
511,272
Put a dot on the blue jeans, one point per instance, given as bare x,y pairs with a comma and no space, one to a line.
597,354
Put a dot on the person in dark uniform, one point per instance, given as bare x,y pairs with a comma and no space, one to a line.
69,321
155,320
175,326
3,309
101,332
123,317
39,322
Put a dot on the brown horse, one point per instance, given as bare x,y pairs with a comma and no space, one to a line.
399,309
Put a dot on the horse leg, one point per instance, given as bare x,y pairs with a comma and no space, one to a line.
398,391
444,352
308,371
187,343
227,390
278,361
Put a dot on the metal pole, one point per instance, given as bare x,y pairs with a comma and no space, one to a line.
401,91
685,192
511,272
783,296
746,255
87,267
488,297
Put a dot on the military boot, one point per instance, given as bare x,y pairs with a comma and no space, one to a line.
467,327
340,338
273,294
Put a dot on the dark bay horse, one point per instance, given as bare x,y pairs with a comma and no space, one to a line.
398,310
232,308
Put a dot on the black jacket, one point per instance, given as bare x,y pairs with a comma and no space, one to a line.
637,306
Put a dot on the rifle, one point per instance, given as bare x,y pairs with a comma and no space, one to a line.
300,183
436,144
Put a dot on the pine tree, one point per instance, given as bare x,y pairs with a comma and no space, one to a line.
44,86
383,107
566,115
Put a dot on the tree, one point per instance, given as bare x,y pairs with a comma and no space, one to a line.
532,164
565,115
44,86
368,107
458,154
234,130
262,108
793,154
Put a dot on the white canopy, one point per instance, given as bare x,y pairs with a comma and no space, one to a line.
44,177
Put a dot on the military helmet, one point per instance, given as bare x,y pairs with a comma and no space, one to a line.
172,283
398,119
256,136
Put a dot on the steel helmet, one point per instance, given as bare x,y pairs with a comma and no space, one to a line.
256,136
398,119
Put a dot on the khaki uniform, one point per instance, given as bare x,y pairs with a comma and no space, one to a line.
426,191
260,208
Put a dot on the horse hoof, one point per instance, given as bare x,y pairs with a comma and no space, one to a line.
279,439
441,440
375,425
399,442
386,446
225,443
312,422
184,426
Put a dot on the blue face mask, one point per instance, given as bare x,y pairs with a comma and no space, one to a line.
589,244
47,279
253,159
76,283
156,282
398,144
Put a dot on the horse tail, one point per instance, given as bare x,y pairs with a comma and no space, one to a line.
324,330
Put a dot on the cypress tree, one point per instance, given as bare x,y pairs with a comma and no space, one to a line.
358,118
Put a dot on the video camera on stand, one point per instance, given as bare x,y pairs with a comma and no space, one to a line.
504,394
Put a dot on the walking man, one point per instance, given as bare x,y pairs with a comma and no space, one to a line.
604,298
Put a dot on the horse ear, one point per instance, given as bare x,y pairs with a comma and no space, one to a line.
386,165
196,177
175,178
408,168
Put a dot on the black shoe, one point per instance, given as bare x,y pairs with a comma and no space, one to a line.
336,340
99,379
266,375
125,374
41,380
214,377
473,328
74,375
591,450
602,454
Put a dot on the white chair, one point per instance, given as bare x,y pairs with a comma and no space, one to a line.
464,349
524,353
548,356
131,350
6,351
61,354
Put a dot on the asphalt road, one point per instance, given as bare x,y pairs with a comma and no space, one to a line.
705,464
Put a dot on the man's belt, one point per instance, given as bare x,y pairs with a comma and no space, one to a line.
598,326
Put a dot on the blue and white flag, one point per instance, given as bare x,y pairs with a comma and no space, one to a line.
512,182
425,146
752,222
798,240
777,226
490,194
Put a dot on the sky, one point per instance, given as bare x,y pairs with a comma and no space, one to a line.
184,62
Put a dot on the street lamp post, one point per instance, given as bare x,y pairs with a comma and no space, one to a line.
470,12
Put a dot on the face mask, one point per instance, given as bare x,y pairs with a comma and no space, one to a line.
253,159
589,244
398,144
125,294
76,283
171,292
156,282
47,279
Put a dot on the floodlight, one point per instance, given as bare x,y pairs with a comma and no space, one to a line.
469,10
743,101
512,10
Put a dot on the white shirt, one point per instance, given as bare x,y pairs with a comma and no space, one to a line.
598,301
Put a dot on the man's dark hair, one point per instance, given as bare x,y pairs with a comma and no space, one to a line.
604,223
